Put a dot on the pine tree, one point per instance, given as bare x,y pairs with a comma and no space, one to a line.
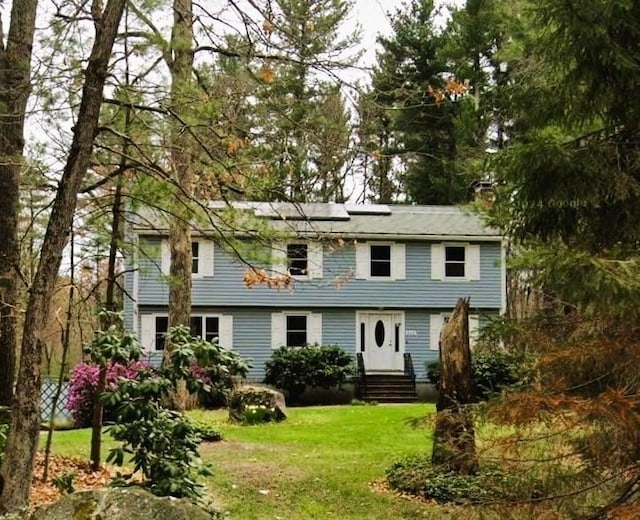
302,122
409,82
569,195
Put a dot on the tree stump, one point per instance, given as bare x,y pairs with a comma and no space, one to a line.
454,437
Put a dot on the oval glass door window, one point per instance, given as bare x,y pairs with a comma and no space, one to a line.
379,333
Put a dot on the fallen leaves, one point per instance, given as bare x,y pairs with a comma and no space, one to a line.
83,477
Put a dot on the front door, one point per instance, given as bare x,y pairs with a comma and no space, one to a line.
380,340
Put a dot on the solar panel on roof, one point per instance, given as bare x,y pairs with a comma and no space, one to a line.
368,209
302,211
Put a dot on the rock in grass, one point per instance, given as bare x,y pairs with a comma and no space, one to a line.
255,404
132,503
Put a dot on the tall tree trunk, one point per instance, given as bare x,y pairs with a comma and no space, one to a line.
182,170
15,88
22,441
454,445
117,218
66,346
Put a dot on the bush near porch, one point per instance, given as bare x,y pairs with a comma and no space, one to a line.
293,369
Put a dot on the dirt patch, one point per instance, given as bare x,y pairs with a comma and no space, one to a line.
245,462
78,470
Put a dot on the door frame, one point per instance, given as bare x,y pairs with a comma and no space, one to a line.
397,318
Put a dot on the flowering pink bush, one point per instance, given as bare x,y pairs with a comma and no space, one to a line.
83,384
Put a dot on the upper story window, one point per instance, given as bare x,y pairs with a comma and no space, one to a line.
202,256
298,259
454,261
380,260
195,257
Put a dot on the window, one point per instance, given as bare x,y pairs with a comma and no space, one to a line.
202,257
380,261
206,327
162,326
296,330
298,259
438,322
454,261
195,257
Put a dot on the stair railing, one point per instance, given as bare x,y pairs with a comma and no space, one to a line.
361,387
409,371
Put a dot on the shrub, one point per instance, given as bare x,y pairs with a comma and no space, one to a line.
83,385
491,372
293,369
416,475
163,444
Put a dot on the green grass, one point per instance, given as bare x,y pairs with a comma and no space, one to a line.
319,463
76,443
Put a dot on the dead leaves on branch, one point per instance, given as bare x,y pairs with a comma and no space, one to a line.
259,277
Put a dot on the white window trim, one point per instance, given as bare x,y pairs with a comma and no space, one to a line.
471,261
206,255
397,261
280,259
474,329
225,329
279,327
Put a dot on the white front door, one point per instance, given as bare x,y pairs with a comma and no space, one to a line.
381,340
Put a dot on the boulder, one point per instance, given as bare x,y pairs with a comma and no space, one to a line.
131,503
266,404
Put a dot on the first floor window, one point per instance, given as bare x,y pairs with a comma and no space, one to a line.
296,330
380,261
162,326
454,261
205,327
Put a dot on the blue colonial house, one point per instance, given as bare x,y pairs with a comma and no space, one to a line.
378,280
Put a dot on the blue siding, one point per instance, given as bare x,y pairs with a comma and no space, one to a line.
252,333
417,340
417,291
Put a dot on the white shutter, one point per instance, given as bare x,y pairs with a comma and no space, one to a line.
435,327
147,336
314,260
474,329
165,257
472,261
437,261
314,329
398,262
362,260
205,261
277,329
279,257
226,332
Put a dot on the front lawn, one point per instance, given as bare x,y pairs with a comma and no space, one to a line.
319,463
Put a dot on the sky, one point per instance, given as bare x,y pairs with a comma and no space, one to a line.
373,18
